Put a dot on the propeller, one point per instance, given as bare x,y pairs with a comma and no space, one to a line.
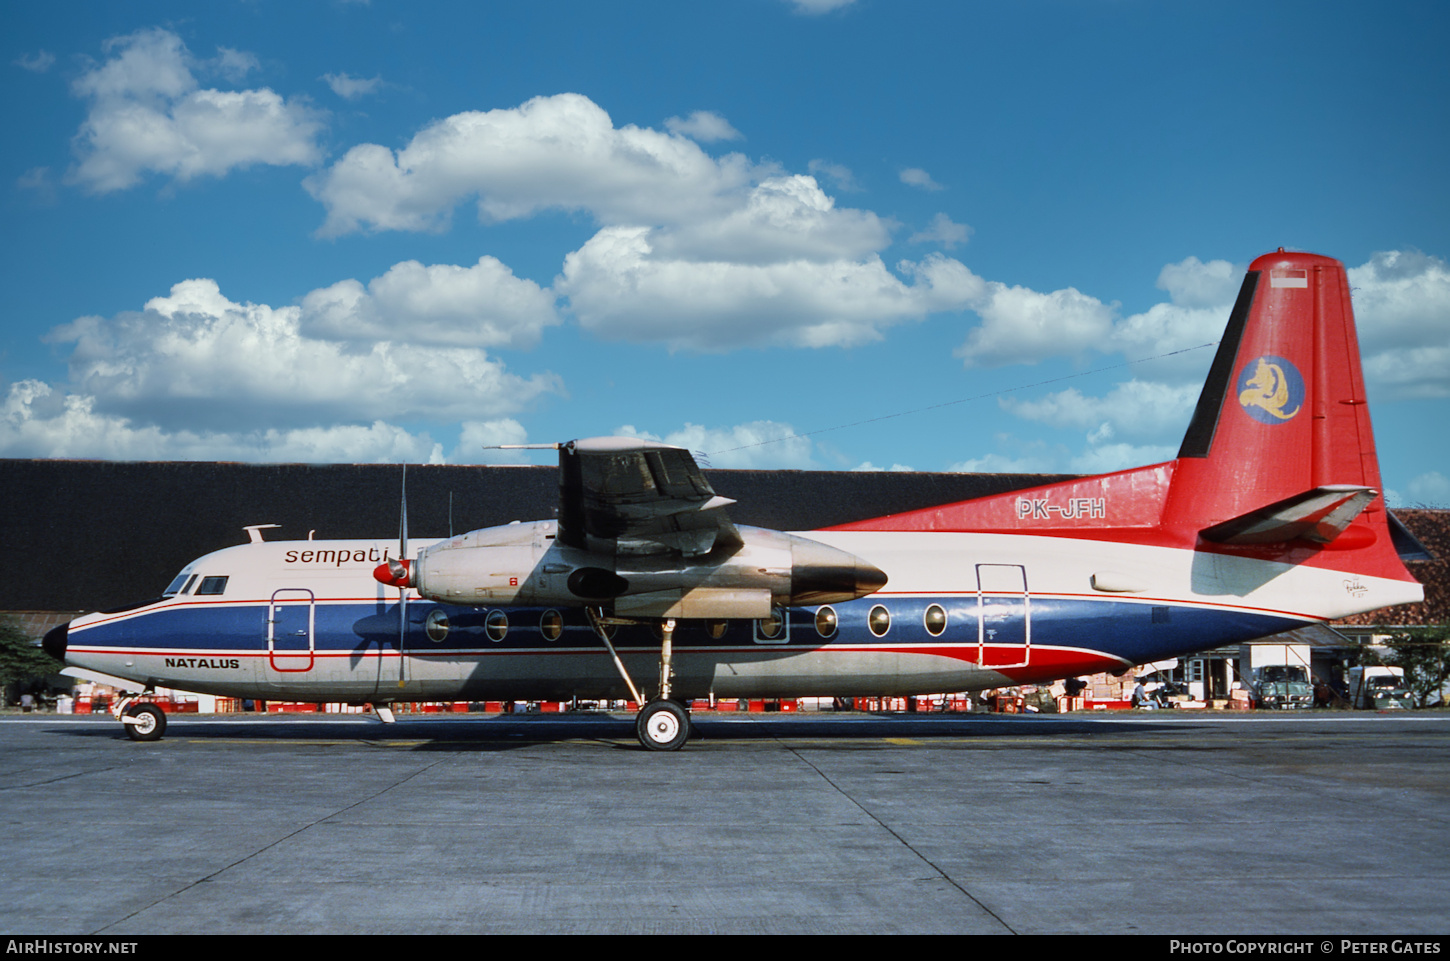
399,575
398,571
403,586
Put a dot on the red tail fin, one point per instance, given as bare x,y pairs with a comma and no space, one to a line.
1283,412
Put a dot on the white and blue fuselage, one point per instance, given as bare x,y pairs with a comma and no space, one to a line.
306,620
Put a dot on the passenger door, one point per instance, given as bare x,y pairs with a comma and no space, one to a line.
291,630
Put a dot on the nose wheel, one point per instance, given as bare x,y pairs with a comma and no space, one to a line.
663,725
143,722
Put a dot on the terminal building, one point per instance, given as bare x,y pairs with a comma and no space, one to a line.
83,536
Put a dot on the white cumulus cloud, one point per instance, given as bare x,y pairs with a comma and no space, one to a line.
1020,325
1402,309
199,359
944,231
780,219
760,444
561,152
36,420
619,289
480,306
704,126
148,114
1135,408
352,88
916,177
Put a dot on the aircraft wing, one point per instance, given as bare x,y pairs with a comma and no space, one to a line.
624,495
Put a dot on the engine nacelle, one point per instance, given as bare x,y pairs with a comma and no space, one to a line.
522,564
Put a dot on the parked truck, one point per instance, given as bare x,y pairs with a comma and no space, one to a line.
1277,675
1379,688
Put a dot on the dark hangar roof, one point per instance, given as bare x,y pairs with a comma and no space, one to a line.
90,535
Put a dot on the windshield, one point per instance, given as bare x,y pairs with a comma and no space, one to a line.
179,585
1386,682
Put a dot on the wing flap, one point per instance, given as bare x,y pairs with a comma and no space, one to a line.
707,602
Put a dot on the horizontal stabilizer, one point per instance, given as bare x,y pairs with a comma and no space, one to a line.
1407,545
1319,515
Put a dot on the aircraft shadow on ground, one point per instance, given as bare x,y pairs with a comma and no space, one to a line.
508,731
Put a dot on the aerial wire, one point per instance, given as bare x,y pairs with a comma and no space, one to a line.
961,400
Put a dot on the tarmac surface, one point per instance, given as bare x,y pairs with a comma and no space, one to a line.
1169,823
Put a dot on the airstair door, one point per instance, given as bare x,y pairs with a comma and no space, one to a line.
1004,616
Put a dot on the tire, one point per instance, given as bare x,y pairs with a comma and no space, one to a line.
152,723
663,726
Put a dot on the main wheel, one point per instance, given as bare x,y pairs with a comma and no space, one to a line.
663,725
150,722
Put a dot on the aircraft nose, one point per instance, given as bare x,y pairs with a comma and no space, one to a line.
55,640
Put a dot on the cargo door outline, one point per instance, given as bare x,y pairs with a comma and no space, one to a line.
291,630
1004,615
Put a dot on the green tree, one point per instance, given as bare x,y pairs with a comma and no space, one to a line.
1424,655
20,659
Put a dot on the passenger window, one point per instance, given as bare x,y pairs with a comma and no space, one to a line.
496,625
551,625
212,585
879,620
936,620
771,629
437,625
826,622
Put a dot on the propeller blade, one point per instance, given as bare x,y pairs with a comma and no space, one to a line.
401,579
403,520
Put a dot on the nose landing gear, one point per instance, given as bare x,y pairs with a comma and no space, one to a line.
143,722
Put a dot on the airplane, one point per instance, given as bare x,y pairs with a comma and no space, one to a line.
1270,518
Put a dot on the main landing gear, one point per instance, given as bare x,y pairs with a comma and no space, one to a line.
662,724
143,722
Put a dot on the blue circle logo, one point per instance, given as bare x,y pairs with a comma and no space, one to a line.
1271,390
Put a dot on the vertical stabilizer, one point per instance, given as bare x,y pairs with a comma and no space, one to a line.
1283,414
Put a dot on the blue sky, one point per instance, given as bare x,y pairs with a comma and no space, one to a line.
841,235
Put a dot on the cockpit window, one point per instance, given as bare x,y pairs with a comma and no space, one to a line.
175,586
212,585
